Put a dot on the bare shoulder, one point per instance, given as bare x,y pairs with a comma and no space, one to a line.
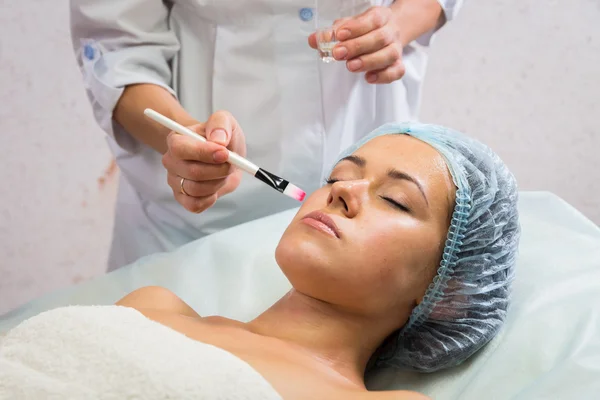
156,298
397,395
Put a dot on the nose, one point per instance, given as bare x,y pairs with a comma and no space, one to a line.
348,196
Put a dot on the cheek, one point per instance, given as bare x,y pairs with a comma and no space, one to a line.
401,255
316,201
310,268
383,256
305,259
291,243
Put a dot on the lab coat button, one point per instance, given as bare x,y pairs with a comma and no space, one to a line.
88,52
306,14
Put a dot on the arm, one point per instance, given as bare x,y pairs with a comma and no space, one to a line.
129,113
416,17
373,42
125,48
420,19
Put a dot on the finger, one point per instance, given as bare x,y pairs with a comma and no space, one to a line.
195,204
231,183
312,40
372,19
193,188
196,171
313,37
378,60
388,75
369,43
223,123
219,127
339,22
186,148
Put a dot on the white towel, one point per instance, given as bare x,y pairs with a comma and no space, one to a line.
111,352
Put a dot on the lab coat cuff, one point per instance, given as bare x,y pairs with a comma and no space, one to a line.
105,82
450,9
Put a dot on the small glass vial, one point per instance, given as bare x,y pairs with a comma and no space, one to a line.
326,41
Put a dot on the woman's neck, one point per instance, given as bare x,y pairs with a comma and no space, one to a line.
340,340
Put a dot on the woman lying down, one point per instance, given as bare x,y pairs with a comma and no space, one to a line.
403,259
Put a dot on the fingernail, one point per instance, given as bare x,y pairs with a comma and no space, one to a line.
218,136
343,34
339,53
220,156
371,78
354,65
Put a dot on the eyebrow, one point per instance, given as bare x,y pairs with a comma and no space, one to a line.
359,161
392,173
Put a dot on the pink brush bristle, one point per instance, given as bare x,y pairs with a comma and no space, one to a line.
294,192
301,195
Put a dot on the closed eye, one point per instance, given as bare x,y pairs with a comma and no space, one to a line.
395,204
391,201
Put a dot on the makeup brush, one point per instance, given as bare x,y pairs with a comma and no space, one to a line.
277,183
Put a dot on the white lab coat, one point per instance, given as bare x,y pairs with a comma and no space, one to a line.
249,57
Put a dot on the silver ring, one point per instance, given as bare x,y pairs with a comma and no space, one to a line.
181,189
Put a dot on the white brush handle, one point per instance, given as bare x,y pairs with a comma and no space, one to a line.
234,158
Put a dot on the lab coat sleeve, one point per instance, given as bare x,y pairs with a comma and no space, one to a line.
450,9
118,43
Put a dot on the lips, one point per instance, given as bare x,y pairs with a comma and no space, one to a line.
322,221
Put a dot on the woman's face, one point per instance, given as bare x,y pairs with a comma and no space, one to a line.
370,241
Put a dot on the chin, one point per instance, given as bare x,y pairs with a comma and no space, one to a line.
318,269
305,262
296,252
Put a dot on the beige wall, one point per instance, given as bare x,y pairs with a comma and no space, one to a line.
55,208
522,75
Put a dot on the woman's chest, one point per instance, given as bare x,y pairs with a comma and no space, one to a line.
292,374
